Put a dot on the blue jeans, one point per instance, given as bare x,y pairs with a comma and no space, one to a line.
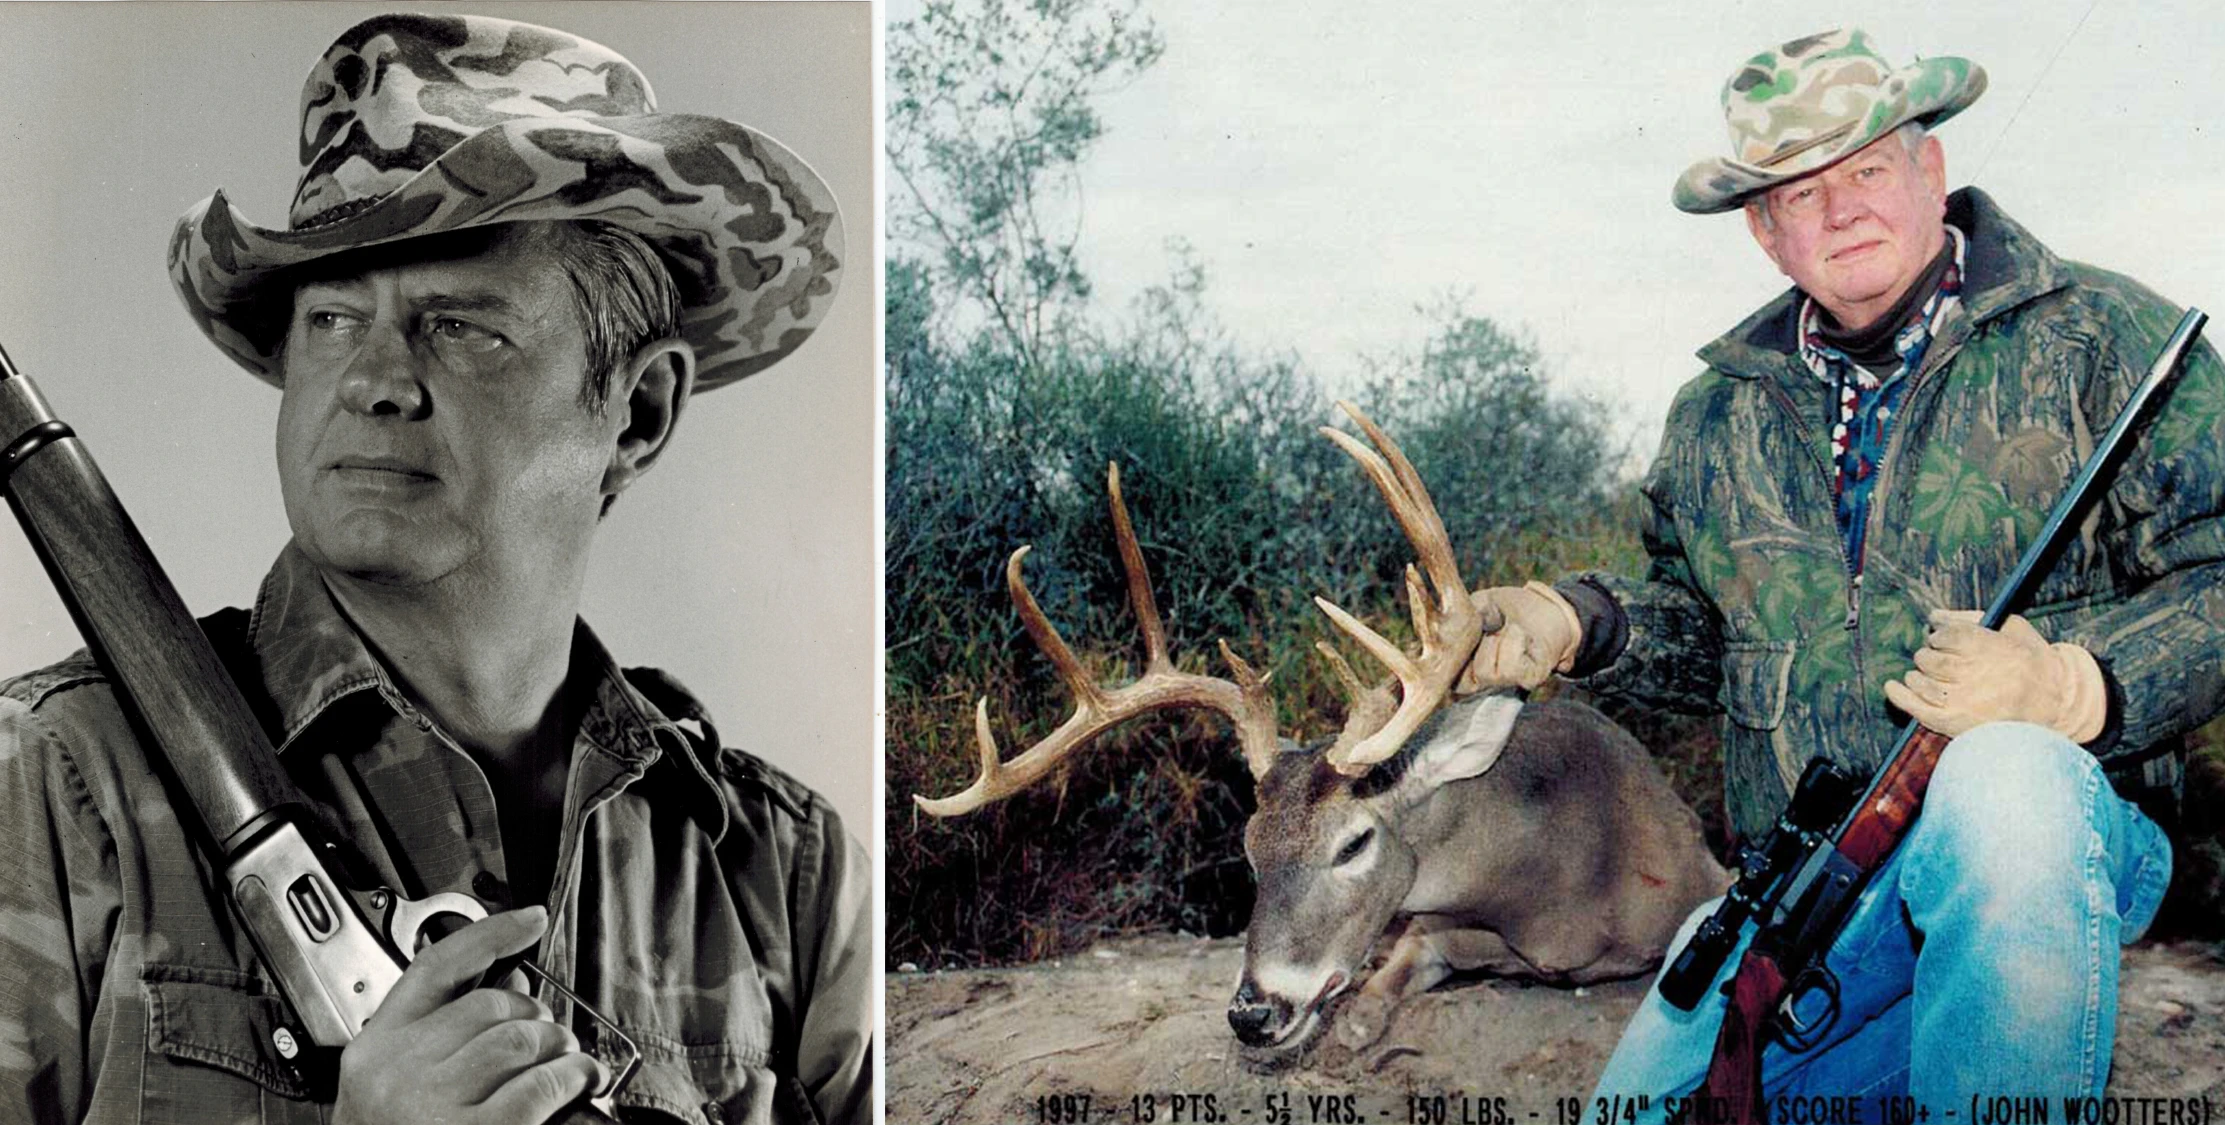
1982,958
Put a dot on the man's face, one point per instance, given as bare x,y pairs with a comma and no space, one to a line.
1856,234
431,423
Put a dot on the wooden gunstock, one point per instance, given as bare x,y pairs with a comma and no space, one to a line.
1733,1080
1890,809
186,703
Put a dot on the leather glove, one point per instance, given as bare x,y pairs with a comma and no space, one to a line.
1539,638
1966,675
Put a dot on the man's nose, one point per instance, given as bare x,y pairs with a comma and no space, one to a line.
1841,206
381,377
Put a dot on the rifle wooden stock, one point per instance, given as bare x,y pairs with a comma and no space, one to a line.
132,620
1733,1083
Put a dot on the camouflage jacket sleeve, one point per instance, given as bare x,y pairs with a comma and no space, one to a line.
833,888
1671,654
788,854
59,901
2161,640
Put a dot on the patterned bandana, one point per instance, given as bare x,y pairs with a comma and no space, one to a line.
1866,402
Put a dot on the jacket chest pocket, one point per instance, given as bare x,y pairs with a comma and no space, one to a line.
1756,675
712,1084
211,1054
708,1054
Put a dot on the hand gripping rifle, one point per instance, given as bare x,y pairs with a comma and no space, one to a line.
1820,869
334,947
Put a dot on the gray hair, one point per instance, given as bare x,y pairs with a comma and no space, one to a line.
623,292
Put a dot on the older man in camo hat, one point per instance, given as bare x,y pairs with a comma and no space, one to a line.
1861,463
504,273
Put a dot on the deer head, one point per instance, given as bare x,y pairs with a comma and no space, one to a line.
1330,845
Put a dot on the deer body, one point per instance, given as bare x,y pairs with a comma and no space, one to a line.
1536,841
1567,860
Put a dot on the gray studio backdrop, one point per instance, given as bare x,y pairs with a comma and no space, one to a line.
744,564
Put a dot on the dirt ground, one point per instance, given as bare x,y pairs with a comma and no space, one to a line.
1136,1026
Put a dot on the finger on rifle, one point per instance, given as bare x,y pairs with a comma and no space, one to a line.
1898,694
535,1094
2018,629
1931,691
454,964
1941,618
504,1049
1941,666
1960,636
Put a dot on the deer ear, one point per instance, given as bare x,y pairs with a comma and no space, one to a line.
1469,741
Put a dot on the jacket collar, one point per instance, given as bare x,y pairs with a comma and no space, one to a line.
2005,267
309,658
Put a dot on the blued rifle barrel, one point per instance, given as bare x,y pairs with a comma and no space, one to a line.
131,618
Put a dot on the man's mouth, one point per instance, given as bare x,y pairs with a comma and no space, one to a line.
392,469
1854,251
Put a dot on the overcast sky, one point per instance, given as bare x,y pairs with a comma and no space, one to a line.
744,563
1334,165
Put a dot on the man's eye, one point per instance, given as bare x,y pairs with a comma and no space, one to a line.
326,320
453,330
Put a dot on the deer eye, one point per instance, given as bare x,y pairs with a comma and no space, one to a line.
1353,847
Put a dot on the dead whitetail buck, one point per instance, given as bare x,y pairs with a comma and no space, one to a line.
1536,841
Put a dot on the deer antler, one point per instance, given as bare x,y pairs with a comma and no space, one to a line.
1449,624
1097,708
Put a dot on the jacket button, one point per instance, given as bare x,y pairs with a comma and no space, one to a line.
487,887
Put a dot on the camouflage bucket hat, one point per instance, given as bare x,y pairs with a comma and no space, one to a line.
1813,101
414,125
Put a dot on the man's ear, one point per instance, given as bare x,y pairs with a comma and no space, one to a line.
1931,158
647,394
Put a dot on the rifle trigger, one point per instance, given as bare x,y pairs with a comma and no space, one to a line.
1799,1035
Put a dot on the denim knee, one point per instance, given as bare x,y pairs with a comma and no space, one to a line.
2009,812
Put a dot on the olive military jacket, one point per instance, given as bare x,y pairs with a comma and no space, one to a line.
1748,606
711,906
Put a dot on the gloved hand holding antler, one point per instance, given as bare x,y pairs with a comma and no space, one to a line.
1540,637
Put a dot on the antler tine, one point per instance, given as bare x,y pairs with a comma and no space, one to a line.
1097,708
1448,625
1411,503
1046,635
1343,668
1377,645
1139,579
1417,601
994,783
1368,707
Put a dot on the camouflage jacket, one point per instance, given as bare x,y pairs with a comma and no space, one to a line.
710,905
1747,607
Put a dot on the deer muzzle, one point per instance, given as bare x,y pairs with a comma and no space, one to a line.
1256,1018
1269,1020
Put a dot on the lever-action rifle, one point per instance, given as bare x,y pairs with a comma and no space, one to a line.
334,948
1820,869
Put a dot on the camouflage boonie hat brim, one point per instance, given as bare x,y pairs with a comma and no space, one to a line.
415,125
1813,102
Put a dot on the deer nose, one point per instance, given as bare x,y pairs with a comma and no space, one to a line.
1256,1018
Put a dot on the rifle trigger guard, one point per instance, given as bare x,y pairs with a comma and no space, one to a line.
406,918
1798,1035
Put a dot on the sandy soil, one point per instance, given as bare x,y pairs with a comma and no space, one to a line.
1137,1026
